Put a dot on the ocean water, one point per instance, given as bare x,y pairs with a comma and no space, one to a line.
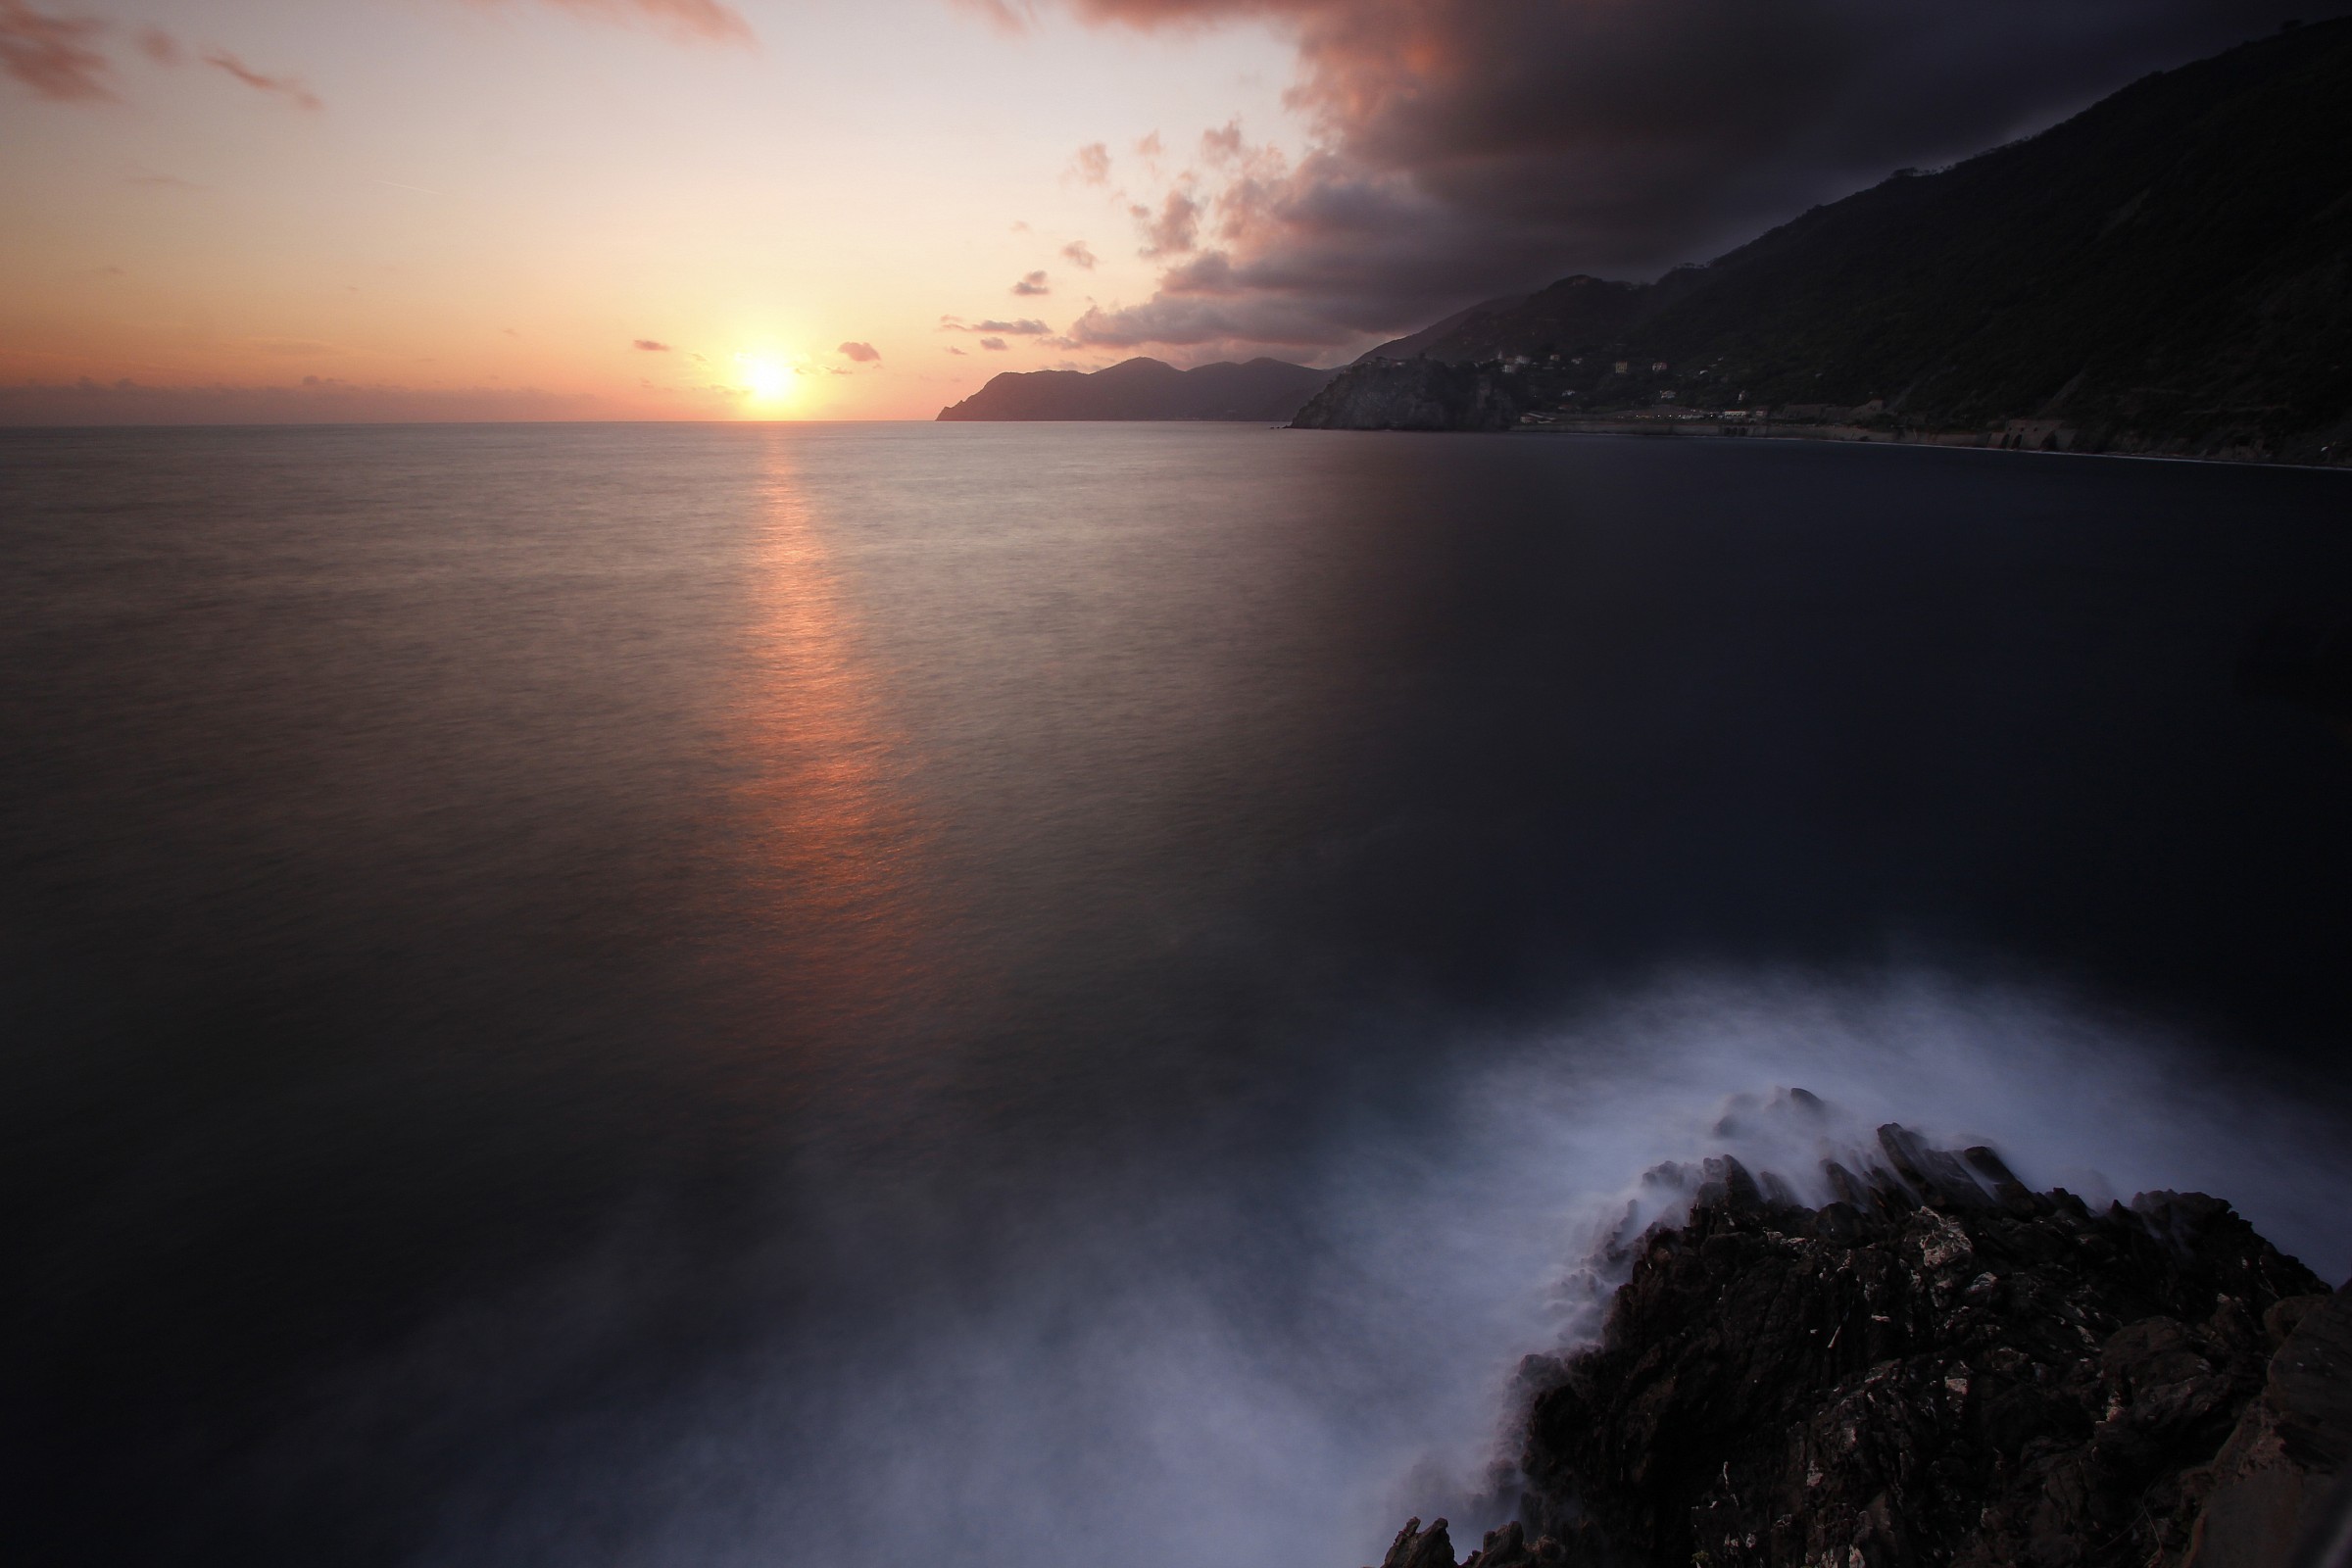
1049,995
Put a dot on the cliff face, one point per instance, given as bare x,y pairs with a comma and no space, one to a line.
1143,388
1413,395
1941,1367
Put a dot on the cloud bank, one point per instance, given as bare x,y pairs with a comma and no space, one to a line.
1468,148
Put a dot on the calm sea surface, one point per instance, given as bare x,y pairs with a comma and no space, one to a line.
1055,994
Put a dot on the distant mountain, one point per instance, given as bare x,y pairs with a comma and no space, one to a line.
2169,271
1141,388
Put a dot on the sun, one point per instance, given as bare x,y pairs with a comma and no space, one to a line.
768,382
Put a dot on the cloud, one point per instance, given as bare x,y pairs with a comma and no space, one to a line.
997,344
648,345
1174,229
1092,165
952,349
1006,16
290,88
1027,326
1032,283
863,353
691,20
1077,255
1461,149
160,47
52,55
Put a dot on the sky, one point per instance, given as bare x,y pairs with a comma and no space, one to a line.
251,210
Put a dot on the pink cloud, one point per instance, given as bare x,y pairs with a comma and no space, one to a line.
290,88
995,344
1092,165
694,21
647,345
863,353
1027,326
52,55
1032,283
1076,253
1175,230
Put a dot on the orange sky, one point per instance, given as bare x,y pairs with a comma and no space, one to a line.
463,209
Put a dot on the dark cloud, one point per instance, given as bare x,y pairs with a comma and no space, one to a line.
694,21
1078,256
1468,148
1032,283
289,88
997,344
1025,327
863,353
647,345
54,56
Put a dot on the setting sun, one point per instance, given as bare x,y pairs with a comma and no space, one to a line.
768,382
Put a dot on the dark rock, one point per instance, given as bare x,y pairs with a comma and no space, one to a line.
1416,1547
1938,1368
1414,395
2269,1486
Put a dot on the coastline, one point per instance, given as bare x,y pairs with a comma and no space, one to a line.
1855,435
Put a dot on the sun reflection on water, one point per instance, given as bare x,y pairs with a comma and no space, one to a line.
830,844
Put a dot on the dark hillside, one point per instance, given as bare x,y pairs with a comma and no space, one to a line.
1142,388
2168,269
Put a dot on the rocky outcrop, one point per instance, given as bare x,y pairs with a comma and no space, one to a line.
2278,1480
1414,395
1938,1367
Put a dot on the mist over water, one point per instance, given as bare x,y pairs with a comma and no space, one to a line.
993,994
1235,1369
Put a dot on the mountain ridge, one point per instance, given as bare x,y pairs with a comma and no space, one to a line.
1264,389
2167,270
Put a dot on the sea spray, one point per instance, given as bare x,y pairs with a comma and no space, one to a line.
1274,1364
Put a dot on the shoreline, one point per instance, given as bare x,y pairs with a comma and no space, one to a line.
1851,435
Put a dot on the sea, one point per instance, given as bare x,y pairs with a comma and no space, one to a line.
924,996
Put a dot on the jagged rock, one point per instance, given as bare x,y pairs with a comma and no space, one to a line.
2266,1490
1937,1368
1413,395
1507,1548
1416,1547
